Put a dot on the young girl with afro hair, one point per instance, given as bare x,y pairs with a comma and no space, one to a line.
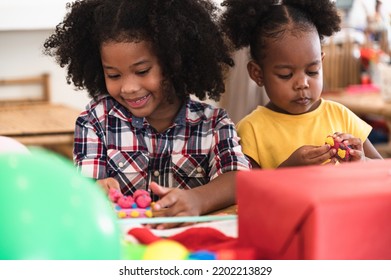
284,38
140,61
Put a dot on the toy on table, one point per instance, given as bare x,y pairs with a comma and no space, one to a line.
343,151
167,249
136,206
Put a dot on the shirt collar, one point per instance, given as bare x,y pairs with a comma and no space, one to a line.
191,112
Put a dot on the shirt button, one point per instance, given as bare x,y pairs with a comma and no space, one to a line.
199,169
121,164
156,173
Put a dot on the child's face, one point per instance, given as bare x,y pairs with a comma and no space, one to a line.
291,73
133,77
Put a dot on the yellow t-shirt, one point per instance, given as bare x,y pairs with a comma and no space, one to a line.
270,138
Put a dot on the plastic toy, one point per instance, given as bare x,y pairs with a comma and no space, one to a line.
165,250
114,195
136,206
125,202
343,153
142,198
202,255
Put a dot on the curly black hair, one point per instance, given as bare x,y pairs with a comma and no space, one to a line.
250,22
192,52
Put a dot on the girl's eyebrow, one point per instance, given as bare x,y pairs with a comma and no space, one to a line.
283,66
316,62
107,67
141,62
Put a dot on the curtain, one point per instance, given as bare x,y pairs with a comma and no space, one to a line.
242,94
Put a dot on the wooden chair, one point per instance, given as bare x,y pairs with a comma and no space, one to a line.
35,120
341,65
42,81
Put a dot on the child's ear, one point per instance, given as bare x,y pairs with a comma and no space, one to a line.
323,55
255,72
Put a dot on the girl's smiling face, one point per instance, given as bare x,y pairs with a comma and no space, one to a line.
134,78
291,72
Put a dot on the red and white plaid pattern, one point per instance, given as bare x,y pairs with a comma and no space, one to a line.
201,144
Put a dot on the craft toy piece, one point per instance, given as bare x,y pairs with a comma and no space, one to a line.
142,198
114,195
165,249
123,213
125,202
136,206
343,153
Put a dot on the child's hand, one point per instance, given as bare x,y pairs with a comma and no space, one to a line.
173,202
310,155
108,183
356,150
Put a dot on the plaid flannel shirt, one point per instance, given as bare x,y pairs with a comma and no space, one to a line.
201,144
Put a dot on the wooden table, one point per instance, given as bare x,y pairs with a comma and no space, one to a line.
47,125
366,103
230,210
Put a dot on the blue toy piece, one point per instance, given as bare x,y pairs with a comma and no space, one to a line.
202,255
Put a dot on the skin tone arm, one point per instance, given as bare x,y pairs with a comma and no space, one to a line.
305,155
217,194
108,183
310,155
254,164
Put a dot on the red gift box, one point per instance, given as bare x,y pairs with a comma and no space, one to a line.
318,212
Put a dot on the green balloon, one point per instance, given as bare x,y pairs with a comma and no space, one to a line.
50,212
132,251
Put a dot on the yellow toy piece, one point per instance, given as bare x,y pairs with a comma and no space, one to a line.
134,214
341,153
121,214
330,141
165,250
148,213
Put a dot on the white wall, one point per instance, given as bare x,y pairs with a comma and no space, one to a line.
21,55
31,14
24,26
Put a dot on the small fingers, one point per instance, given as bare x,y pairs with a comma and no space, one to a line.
165,202
108,183
355,142
160,212
172,225
357,155
342,137
169,225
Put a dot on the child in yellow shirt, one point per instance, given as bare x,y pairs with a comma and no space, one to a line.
286,58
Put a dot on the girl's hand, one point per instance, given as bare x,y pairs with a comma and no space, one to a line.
356,150
173,202
108,183
310,155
